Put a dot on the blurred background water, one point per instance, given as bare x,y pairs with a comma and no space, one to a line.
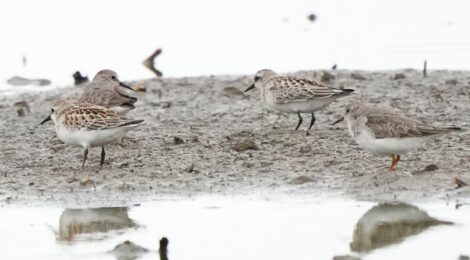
208,37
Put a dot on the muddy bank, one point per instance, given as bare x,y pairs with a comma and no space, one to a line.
203,136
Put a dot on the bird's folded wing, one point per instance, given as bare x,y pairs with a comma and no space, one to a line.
397,126
294,89
106,97
93,118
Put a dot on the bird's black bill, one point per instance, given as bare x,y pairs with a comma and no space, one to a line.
45,120
339,120
125,86
250,88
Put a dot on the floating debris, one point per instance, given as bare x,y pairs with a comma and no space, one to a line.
312,17
79,79
163,250
334,67
22,108
20,81
149,63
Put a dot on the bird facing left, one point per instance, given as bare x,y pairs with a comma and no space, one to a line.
87,125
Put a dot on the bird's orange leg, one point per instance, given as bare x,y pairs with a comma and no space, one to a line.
394,162
391,168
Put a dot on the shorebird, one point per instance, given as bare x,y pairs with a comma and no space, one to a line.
106,90
381,131
293,94
87,125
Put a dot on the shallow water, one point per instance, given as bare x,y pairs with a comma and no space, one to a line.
236,228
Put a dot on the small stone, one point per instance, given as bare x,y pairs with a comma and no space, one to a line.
139,88
301,180
245,144
178,140
430,168
22,108
399,76
459,183
464,257
232,91
86,181
452,82
190,169
305,148
327,76
357,76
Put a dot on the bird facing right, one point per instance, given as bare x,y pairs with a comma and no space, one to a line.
108,91
382,131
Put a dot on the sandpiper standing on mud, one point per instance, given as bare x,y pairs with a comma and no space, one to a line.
384,132
87,125
294,94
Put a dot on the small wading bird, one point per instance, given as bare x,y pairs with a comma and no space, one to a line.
383,132
293,94
87,125
106,90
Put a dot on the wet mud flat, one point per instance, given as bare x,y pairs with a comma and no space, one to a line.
203,135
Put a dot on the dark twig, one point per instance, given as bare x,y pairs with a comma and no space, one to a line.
425,68
149,63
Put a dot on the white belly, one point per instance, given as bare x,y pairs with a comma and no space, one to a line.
121,110
389,146
91,138
301,106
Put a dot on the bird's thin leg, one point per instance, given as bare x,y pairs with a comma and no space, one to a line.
300,121
85,155
102,157
311,122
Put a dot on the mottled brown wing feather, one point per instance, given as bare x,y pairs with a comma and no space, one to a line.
396,126
106,97
291,89
93,118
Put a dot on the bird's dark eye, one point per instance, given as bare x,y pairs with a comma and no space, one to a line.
347,110
257,78
52,110
113,77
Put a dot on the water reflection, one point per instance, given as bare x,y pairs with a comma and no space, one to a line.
85,221
389,223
